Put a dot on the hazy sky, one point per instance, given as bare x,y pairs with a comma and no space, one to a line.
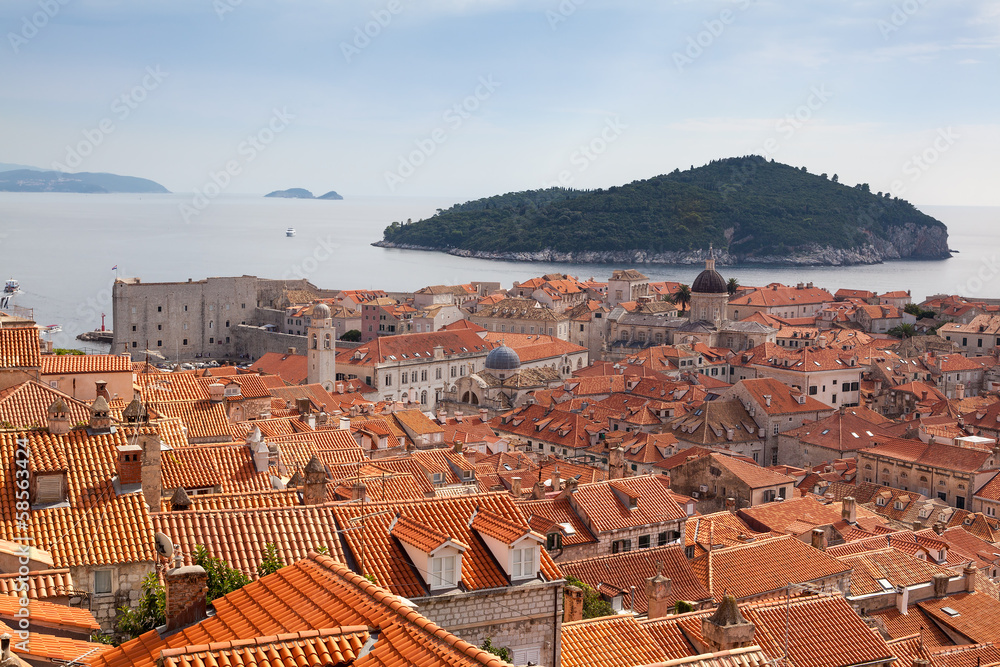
469,98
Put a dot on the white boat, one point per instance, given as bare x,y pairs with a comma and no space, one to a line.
12,287
290,231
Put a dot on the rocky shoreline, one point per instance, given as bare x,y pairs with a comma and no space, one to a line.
906,242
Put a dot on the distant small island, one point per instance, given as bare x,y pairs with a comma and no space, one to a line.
31,180
301,193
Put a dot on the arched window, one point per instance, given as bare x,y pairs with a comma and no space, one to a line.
314,341
423,398
326,342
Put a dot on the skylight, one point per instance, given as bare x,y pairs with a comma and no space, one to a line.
884,583
825,431
951,612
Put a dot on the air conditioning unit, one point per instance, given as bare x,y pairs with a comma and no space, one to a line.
703,488
694,494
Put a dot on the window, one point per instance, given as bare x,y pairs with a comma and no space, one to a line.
159,327
621,546
133,327
102,582
644,541
454,371
523,563
211,340
423,376
185,309
159,309
661,539
775,429
443,572
403,377
437,373
159,343
812,391
553,541
388,380
134,344
185,342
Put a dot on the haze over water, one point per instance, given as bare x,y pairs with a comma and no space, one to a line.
62,248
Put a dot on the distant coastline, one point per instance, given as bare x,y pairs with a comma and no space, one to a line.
32,180
302,193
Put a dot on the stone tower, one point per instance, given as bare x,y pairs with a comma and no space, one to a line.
709,294
322,349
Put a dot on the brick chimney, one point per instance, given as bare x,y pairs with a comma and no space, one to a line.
515,487
129,465
819,539
727,629
730,504
180,501
849,510
573,604
314,485
58,417
658,593
970,572
940,584
186,590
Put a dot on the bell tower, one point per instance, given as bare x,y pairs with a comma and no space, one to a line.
322,349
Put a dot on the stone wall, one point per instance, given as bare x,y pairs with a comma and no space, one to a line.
126,581
603,547
254,342
516,617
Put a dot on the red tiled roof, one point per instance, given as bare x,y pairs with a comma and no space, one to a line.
19,347
66,364
606,512
292,368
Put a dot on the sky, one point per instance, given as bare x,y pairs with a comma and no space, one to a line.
469,98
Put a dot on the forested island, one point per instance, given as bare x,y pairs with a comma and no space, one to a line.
752,209
302,193
35,180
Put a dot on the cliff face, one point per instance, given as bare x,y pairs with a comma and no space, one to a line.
909,241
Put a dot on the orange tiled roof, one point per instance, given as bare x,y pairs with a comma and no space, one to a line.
203,419
899,568
307,648
41,584
26,405
292,368
19,347
314,594
606,512
977,618
46,649
545,515
66,364
611,641
50,614
228,467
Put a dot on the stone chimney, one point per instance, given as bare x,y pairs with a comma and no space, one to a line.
538,491
658,593
849,510
129,465
819,539
58,417
345,423
180,502
359,491
458,446
314,484
921,662
903,600
186,590
727,629
616,463
573,604
152,472
939,527
100,415
730,504
303,406
970,572
960,391
7,657
940,584
217,392
102,389
515,487
261,456
556,479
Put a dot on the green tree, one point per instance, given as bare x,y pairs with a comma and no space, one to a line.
905,330
148,614
732,286
499,651
222,578
594,606
683,297
271,562
352,336
683,607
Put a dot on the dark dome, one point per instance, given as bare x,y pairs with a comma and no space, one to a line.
502,359
709,281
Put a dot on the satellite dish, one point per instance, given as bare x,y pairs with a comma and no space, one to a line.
164,546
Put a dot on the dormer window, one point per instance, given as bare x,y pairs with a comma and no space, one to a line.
50,488
438,477
443,572
524,562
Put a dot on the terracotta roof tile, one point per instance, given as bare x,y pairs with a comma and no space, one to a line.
613,641
606,511
42,584
66,364
19,347
50,614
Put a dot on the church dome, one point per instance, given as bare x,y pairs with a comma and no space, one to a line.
502,358
709,281
321,311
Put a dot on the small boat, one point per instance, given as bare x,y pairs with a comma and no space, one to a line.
12,287
290,231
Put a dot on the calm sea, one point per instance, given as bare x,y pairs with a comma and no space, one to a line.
63,247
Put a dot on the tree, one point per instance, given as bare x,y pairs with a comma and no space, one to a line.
352,336
683,607
499,651
732,286
222,578
835,179
594,606
905,330
683,296
271,562
148,614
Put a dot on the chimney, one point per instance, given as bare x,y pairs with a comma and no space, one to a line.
903,600
261,456
616,463
102,389
767,400
538,491
940,584
918,525
58,417
359,491
515,487
730,504
180,502
960,391
658,594
292,350
939,527
129,465
921,662
849,510
484,415
573,604
303,406
458,446
7,658
819,539
186,590
442,415
345,423
726,629
556,479
970,572
217,392
314,485
100,415
152,473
